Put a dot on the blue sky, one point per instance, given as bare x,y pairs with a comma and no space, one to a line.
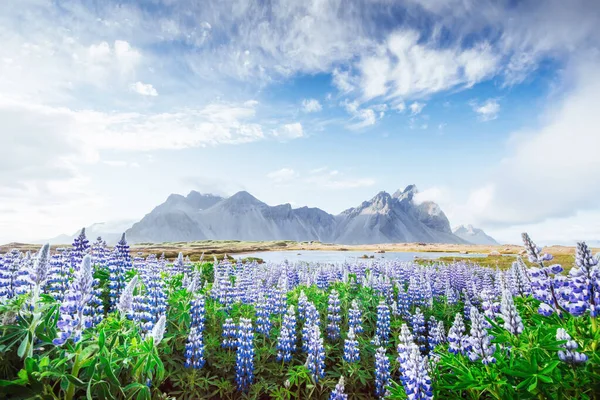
487,106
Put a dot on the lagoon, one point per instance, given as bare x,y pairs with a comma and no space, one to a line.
336,256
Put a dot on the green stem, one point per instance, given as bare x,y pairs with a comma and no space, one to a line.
75,373
594,325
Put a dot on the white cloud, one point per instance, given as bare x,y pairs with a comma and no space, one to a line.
435,194
311,105
343,81
145,89
404,66
283,175
335,180
416,108
488,110
289,131
552,171
365,116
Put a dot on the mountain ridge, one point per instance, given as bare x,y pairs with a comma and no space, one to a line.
384,218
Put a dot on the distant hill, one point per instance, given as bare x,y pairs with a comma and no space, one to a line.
474,235
383,219
109,231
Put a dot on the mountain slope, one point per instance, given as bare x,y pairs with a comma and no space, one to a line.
394,219
474,235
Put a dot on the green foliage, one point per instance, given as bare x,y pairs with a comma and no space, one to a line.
113,360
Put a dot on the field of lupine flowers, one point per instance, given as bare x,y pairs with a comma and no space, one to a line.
93,322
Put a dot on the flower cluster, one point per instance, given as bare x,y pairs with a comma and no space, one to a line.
418,326
417,383
585,283
351,352
286,342
512,320
382,372
229,334
81,246
355,317
72,318
315,360
118,265
480,341
194,348
333,316
311,318
569,355
382,330
457,340
338,392
244,367
263,317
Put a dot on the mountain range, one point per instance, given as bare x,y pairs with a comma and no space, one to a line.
395,218
383,219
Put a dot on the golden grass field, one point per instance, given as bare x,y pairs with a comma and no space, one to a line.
218,248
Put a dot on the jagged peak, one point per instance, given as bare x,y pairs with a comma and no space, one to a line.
243,197
407,193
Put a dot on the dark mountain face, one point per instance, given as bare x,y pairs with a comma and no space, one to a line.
383,219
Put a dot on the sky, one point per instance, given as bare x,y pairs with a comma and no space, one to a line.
489,107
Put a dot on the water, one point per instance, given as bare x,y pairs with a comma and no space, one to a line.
337,256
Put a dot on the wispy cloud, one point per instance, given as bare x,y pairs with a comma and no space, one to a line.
488,110
145,89
311,105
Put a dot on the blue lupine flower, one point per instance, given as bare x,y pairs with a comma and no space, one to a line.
263,318
81,246
141,313
569,355
382,331
403,303
405,341
436,334
418,326
244,367
229,334
12,275
518,279
158,332
179,265
416,381
286,342
333,316
99,253
315,360
194,348
312,318
351,352
480,341
382,372
72,318
338,392
125,305
512,320
58,275
451,295
585,283
38,274
355,317
457,340
119,264
468,305
302,302
543,282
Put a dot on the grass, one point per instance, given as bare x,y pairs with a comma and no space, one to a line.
504,262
